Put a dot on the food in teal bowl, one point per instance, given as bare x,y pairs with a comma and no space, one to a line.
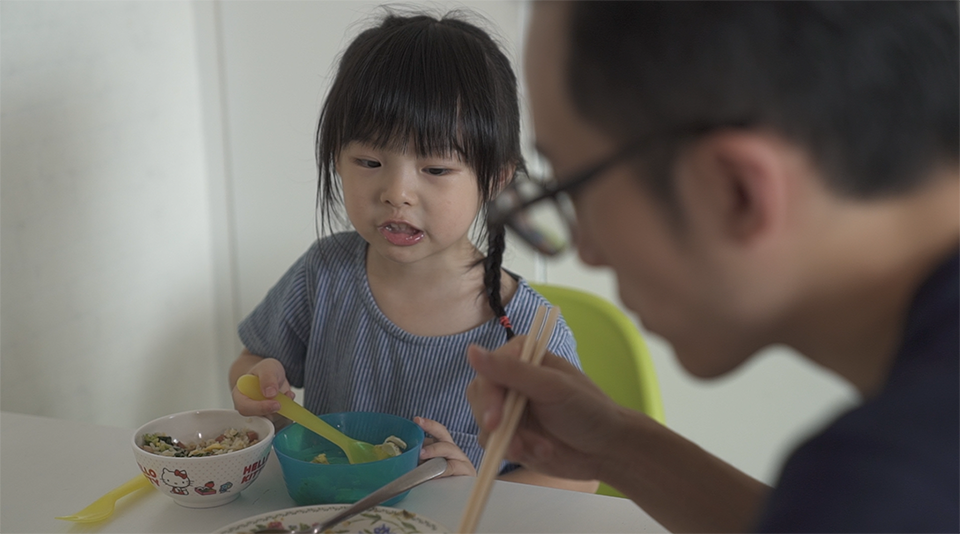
339,481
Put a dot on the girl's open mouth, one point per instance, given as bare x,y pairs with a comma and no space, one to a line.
400,233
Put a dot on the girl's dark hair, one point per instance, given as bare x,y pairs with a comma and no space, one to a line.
441,84
871,89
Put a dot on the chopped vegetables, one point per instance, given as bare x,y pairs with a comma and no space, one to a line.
393,446
230,440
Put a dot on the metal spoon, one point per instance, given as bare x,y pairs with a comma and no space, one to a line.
428,470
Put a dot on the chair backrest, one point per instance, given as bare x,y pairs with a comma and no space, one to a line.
611,350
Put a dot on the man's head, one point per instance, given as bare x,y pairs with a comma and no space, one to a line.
870,89
761,128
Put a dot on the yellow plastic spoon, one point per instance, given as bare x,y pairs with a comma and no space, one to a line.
102,508
358,452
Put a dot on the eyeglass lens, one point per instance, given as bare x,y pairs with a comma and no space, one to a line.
545,225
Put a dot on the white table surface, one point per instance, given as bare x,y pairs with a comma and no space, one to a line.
51,467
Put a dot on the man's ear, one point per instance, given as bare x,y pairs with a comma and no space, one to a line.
734,183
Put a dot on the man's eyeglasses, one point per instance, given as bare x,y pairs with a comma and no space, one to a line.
541,212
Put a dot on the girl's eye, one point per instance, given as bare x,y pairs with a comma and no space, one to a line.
437,171
368,163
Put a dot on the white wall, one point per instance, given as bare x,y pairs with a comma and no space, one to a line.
108,302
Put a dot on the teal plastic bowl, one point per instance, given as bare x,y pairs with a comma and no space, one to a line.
341,482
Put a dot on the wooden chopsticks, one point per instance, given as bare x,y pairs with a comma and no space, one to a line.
534,347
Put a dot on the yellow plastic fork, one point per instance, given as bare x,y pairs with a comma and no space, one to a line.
358,452
102,508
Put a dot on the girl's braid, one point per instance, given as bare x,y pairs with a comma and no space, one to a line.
491,274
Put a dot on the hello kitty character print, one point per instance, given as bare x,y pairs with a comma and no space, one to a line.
177,479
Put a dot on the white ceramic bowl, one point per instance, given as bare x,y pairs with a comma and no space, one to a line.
206,481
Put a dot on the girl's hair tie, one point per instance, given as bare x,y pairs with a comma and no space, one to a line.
505,321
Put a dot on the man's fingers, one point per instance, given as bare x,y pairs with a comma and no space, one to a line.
485,397
499,370
502,371
553,361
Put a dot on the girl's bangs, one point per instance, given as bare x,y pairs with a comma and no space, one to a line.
422,92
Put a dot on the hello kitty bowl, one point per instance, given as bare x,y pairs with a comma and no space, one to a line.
212,476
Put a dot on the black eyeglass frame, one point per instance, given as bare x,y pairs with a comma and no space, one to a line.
504,215
497,214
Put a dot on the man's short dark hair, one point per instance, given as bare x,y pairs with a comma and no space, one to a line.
871,89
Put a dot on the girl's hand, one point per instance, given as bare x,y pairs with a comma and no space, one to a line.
273,381
440,444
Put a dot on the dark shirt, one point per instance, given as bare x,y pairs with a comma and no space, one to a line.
893,463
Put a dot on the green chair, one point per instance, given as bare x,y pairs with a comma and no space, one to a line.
612,352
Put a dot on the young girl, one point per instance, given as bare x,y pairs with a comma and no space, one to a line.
420,129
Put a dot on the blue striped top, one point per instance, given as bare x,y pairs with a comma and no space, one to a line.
323,324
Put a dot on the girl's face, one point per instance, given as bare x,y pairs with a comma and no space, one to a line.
409,208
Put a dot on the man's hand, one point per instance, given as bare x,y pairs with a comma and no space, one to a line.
569,421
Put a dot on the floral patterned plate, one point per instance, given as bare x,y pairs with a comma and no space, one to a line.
377,520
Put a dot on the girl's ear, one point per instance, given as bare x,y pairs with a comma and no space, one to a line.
503,180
